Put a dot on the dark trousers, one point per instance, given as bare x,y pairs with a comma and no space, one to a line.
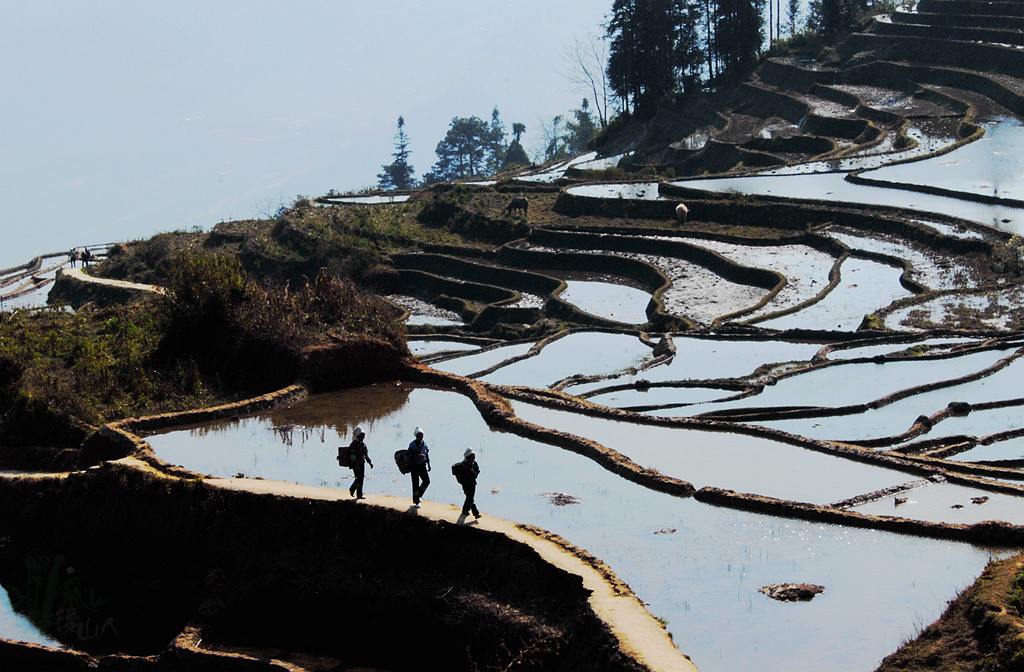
469,505
420,481
358,470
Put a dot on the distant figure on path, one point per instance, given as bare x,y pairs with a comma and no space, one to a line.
681,212
358,458
465,473
419,459
86,258
518,204
73,256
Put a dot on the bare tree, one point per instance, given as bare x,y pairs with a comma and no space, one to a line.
270,207
586,63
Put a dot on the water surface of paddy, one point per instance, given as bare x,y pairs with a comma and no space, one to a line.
18,627
659,395
950,503
832,187
608,300
1011,449
859,383
629,190
750,464
989,166
585,353
898,417
864,287
473,363
696,566
421,347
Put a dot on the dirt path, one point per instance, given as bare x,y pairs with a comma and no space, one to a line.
79,274
640,635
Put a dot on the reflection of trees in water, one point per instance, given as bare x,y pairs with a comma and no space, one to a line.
340,411
287,433
315,415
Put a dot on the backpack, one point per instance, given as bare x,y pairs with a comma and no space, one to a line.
344,457
459,472
402,461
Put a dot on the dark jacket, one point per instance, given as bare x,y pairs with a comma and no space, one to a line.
358,453
466,472
419,454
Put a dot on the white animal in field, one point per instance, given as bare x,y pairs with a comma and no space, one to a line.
681,212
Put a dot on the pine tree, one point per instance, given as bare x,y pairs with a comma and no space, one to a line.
462,152
516,156
654,50
399,174
580,132
495,143
738,35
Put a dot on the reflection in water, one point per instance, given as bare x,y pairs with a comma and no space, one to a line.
637,190
421,312
473,363
702,578
740,462
314,420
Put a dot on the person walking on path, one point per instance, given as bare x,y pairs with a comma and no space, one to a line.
358,458
419,461
466,473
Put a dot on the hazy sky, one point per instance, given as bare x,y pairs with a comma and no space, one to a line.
122,119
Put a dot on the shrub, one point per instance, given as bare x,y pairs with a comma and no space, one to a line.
252,336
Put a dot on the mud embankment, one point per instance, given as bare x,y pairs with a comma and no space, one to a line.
190,574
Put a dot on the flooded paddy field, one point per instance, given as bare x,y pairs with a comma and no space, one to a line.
834,187
806,270
714,358
739,462
421,312
612,301
696,292
994,308
853,383
421,348
574,355
864,287
698,567
989,166
824,396
19,627
931,268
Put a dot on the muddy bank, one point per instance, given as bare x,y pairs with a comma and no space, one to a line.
979,631
187,571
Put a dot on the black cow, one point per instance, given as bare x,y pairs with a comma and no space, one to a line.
518,204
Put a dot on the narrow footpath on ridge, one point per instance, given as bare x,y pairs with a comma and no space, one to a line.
640,635
79,274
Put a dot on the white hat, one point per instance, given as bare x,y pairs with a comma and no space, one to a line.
417,431
359,432
469,451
